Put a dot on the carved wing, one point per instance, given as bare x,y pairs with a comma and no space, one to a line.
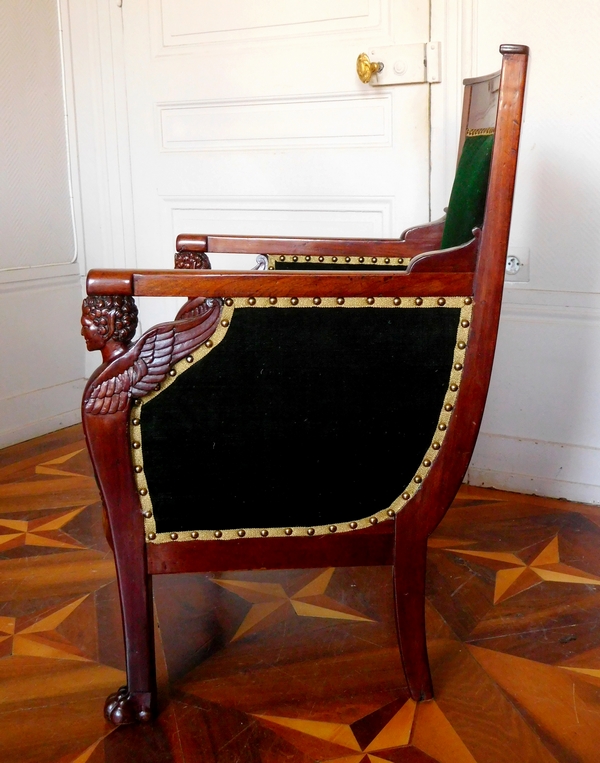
148,361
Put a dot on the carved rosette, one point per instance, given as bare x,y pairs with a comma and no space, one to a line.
187,260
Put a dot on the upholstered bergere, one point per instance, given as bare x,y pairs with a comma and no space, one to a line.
320,412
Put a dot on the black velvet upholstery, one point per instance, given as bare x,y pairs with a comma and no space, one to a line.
299,417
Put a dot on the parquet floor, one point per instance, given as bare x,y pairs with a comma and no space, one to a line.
295,667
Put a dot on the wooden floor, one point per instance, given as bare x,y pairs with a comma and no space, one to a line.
302,666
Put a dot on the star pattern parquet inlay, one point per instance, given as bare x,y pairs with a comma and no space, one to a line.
299,666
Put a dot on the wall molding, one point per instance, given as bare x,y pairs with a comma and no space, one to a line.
555,470
26,416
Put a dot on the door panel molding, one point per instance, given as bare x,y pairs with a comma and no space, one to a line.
177,29
290,122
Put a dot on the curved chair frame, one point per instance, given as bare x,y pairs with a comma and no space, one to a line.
473,272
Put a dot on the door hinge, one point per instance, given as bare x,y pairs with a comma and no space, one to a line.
406,64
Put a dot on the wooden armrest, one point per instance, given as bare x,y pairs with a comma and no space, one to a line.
414,241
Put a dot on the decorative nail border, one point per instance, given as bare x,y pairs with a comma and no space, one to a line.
464,303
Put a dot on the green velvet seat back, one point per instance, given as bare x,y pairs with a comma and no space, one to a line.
469,191
299,416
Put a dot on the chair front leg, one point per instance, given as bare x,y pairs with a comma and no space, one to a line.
109,448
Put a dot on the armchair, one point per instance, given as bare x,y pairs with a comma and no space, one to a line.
360,392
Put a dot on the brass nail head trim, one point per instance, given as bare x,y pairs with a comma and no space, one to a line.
288,531
465,324
321,259
441,301
208,343
148,514
387,260
264,533
348,259
241,533
442,427
136,422
138,470
308,258
353,525
135,445
453,387
282,258
391,513
173,536
373,260
332,528
458,366
461,345
426,462
340,300
397,301
370,301
272,300
172,372
334,259
317,301
310,531
448,407
229,301
406,496
373,520
295,258
251,301
195,535
218,534
294,300
190,358
436,446
418,301
468,300
224,323
418,479
151,536
143,491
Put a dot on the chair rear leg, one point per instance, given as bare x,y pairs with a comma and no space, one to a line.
410,557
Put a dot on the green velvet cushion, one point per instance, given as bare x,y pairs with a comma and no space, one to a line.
467,200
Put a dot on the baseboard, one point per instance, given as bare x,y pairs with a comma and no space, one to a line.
36,413
555,470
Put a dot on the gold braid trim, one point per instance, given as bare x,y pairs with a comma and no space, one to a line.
473,132
392,262
466,307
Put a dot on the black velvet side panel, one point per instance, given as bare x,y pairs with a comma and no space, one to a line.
335,265
299,417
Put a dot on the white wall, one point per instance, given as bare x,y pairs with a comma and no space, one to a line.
541,430
41,368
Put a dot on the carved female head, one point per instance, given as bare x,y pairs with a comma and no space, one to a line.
108,318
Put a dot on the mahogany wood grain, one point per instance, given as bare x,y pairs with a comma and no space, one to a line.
419,239
214,283
371,546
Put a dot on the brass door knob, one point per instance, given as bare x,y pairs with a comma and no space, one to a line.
365,68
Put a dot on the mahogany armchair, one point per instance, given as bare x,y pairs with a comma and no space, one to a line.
363,393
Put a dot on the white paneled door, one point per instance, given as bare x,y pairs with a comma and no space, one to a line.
247,117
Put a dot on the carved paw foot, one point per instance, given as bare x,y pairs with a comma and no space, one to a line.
127,707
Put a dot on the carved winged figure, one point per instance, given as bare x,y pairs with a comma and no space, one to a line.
134,369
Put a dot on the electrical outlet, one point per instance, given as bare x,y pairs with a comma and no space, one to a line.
517,265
